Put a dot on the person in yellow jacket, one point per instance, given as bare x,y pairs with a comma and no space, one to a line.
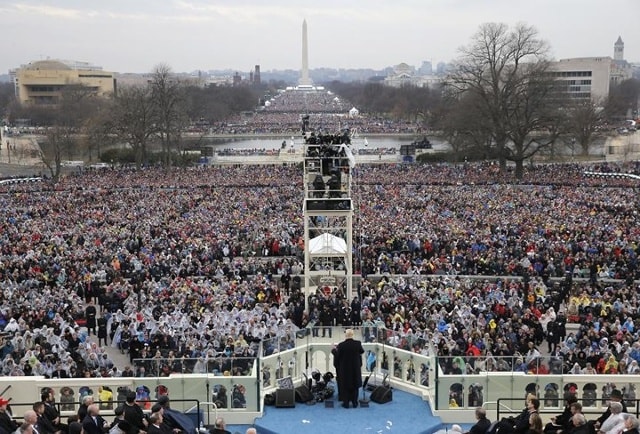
105,396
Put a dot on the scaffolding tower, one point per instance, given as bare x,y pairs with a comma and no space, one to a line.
328,213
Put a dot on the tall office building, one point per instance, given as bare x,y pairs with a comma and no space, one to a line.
44,81
592,77
256,75
426,68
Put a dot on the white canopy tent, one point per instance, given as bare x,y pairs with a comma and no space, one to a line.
327,244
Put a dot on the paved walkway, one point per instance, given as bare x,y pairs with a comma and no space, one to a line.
19,150
121,360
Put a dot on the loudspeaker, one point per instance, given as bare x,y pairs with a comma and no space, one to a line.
382,394
285,398
269,399
303,394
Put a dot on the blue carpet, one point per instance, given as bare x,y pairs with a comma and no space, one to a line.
406,414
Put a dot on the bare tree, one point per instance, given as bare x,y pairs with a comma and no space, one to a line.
59,140
167,96
133,119
623,100
532,123
581,121
506,70
96,132
215,103
76,105
7,94
461,126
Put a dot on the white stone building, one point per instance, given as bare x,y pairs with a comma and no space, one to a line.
592,77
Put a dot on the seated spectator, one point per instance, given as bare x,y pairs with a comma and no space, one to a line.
614,398
219,427
580,424
614,423
630,425
482,423
562,422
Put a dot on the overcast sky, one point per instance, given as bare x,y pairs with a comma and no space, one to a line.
189,35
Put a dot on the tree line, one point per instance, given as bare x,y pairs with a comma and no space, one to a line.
144,116
500,100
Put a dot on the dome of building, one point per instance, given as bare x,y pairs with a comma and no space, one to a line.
47,65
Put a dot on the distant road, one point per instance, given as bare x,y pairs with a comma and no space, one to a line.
11,170
288,134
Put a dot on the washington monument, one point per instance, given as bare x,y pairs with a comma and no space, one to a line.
304,75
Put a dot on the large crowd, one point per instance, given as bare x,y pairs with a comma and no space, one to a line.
191,269
281,115
212,247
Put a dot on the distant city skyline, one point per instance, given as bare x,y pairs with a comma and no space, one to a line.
190,35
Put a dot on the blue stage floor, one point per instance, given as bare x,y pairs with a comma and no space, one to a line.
406,414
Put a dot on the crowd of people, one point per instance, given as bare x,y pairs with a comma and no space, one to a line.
191,269
211,247
288,124
281,115
44,417
615,419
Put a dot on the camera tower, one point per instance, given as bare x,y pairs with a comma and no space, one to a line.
328,213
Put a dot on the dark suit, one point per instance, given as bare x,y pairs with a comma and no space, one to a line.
582,429
481,426
7,424
44,425
563,422
517,425
59,373
52,413
135,416
93,427
75,428
348,363
161,429
82,412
